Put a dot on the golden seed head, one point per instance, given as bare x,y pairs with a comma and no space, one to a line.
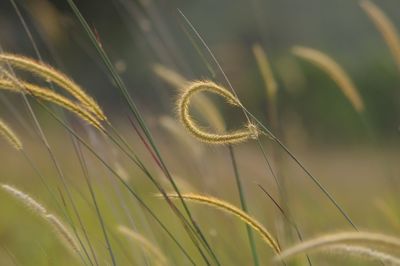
233,210
50,96
335,71
10,136
214,138
386,28
50,74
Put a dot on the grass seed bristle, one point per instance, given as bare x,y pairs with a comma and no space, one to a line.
335,72
385,27
231,209
49,74
250,132
10,136
50,96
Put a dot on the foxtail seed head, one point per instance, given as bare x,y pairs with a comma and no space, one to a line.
151,249
385,27
265,70
250,132
10,136
49,74
335,71
62,231
233,210
364,253
50,96
326,241
25,199
200,103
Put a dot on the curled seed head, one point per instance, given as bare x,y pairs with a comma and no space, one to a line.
203,105
249,132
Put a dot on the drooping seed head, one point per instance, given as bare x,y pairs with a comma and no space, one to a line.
10,136
50,74
184,101
335,71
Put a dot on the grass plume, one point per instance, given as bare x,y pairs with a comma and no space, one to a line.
326,241
336,72
52,75
250,132
231,209
152,250
265,70
366,253
360,252
385,27
201,103
10,136
62,231
50,96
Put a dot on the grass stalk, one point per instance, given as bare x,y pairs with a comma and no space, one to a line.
121,180
132,106
231,209
243,205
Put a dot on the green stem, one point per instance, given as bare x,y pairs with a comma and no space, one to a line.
244,206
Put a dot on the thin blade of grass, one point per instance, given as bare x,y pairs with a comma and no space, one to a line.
243,205
120,179
289,220
132,106
269,133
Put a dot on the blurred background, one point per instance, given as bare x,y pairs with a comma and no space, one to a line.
139,34
355,157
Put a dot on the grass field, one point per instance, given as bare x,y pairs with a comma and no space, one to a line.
300,167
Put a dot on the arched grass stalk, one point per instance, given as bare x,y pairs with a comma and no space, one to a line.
326,241
251,131
10,136
200,103
326,63
133,108
271,88
50,96
265,70
288,218
243,205
268,132
170,76
231,209
360,252
385,27
45,141
132,192
62,231
365,253
152,250
50,74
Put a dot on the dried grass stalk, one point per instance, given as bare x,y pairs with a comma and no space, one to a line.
334,71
